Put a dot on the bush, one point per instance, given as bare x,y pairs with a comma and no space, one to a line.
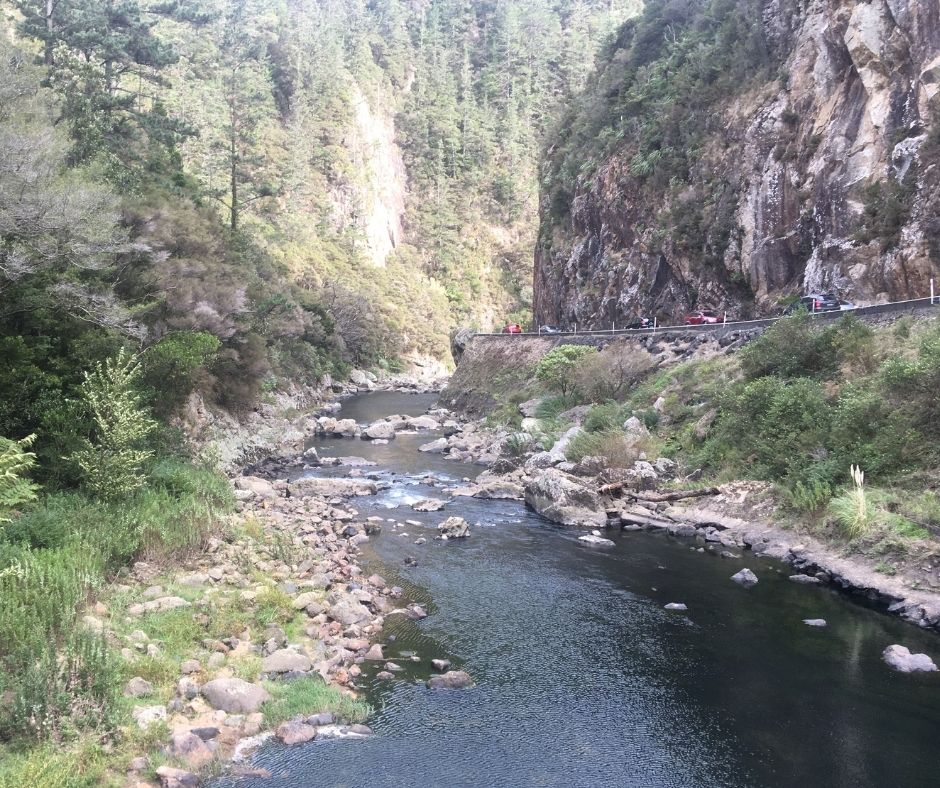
556,369
112,460
791,348
602,418
609,374
851,509
610,444
170,367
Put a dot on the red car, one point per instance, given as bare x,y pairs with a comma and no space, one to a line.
513,328
703,317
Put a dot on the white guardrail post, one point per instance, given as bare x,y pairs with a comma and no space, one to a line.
931,292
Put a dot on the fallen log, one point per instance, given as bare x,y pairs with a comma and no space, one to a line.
675,495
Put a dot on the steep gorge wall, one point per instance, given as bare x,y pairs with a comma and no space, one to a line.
779,198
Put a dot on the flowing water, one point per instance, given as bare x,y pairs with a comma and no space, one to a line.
583,679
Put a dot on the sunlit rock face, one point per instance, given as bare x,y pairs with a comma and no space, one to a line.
788,164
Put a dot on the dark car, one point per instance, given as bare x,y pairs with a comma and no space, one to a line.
513,328
702,317
640,322
549,330
815,302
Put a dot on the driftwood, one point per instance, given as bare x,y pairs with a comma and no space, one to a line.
652,497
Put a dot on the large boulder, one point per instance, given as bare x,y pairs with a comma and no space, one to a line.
434,447
261,488
563,499
380,430
286,660
558,451
901,659
345,428
424,423
234,696
187,746
295,732
499,489
333,488
454,528
745,578
348,611
428,505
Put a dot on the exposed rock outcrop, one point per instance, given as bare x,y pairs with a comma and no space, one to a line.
776,196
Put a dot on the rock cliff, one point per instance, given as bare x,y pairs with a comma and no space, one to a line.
730,153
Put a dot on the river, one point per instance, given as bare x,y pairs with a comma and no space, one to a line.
583,679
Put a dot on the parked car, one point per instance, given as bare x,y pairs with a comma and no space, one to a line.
512,328
640,322
815,302
549,330
845,306
703,317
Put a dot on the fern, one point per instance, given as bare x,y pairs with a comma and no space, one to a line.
15,463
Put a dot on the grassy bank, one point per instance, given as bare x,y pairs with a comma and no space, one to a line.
798,408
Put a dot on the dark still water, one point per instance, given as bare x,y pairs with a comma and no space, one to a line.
583,679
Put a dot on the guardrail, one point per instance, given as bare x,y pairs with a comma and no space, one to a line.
738,325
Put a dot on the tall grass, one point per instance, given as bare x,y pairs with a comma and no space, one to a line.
851,509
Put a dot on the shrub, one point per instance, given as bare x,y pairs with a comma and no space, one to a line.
112,460
601,418
612,445
791,348
170,367
609,374
556,368
15,463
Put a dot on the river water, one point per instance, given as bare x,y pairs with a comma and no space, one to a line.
583,679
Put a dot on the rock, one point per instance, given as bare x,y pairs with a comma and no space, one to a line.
434,447
424,423
207,733
171,777
190,666
454,528
440,665
384,675
460,340
452,679
349,611
557,451
499,490
595,541
814,622
234,696
190,748
375,653
745,578
145,716
295,732
901,659
333,488
805,580
321,718
428,505
635,429
138,687
677,606
342,732
563,499
306,599
187,688
162,605
381,430
261,488
530,407
286,660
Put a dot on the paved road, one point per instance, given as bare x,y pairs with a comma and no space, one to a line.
917,305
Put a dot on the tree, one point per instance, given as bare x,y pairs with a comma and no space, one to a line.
106,62
112,459
556,369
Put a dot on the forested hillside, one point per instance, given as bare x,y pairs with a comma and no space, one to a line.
732,154
258,192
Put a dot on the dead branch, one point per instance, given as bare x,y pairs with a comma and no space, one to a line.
652,497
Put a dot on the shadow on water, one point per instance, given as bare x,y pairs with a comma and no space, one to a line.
583,679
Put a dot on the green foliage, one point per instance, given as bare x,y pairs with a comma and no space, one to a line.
851,509
112,461
310,696
607,416
611,444
556,368
887,209
791,348
169,368
15,463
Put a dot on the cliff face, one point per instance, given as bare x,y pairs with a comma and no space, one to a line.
815,169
